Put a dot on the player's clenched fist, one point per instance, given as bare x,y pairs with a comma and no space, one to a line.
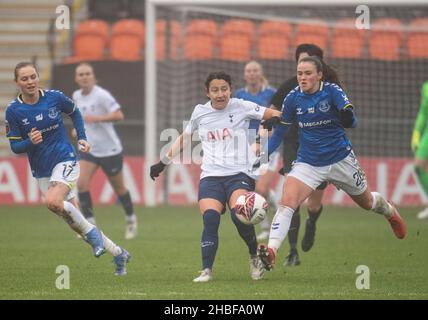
84,146
35,136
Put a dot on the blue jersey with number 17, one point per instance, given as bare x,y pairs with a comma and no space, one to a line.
322,138
45,116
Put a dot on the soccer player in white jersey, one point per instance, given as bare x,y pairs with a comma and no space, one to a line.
223,128
34,125
100,109
322,111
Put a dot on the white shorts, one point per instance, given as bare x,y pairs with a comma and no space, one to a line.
346,175
65,172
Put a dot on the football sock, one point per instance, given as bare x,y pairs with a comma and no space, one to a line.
86,204
110,246
75,219
380,205
247,233
127,205
293,233
423,178
209,241
314,215
280,225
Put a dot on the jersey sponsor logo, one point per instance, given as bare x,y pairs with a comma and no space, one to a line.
39,117
25,121
314,124
324,106
219,134
53,113
7,127
55,126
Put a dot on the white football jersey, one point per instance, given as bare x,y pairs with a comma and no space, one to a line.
225,137
101,136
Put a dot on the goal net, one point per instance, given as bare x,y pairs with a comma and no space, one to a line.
379,51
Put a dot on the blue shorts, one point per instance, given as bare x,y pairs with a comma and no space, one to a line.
221,188
111,165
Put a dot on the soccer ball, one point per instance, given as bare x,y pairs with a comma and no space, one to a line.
251,208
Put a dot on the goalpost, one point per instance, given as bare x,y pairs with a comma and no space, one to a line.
180,99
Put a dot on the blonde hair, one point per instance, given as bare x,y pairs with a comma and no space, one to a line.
265,82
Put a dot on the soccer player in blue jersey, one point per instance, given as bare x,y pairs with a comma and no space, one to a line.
258,90
34,125
322,111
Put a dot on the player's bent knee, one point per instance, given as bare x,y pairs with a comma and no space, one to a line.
55,205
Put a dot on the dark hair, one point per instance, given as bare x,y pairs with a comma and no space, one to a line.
317,62
23,65
218,75
310,49
329,74
86,64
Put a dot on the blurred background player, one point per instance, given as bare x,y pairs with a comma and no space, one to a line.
290,145
100,109
420,145
257,90
325,154
35,126
226,170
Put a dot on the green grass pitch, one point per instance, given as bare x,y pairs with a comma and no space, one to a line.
166,257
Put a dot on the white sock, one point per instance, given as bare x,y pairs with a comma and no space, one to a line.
91,220
75,219
380,205
280,226
131,219
110,246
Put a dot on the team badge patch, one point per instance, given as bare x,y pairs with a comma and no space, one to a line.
324,106
53,113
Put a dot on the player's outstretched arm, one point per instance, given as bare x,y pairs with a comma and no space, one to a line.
176,148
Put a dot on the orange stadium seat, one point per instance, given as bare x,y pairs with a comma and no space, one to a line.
347,41
127,40
200,39
236,39
90,40
274,39
315,32
417,40
175,39
385,39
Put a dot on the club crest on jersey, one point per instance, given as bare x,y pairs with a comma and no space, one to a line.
324,106
53,113
231,117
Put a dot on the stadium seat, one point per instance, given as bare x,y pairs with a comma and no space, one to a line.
200,39
385,39
417,39
347,41
127,40
90,40
236,39
174,43
316,32
274,39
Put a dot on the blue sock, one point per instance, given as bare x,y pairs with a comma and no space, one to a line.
247,233
209,241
